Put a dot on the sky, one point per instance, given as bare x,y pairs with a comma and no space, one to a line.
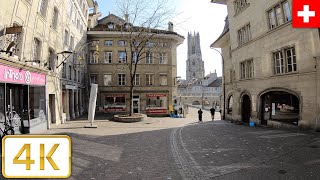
192,16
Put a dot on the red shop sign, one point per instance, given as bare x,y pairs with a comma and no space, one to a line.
156,95
156,111
115,109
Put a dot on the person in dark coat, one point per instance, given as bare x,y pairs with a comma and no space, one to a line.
200,115
212,111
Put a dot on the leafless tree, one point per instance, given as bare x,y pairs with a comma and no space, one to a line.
143,21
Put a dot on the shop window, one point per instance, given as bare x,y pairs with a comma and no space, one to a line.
156,101
115,103
2,105
37,103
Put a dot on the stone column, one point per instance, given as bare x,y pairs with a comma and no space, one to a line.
72,107
76,94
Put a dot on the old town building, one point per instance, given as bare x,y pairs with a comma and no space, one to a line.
271,70
39,81
154,88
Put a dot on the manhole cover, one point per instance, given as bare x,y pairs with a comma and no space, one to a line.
282,171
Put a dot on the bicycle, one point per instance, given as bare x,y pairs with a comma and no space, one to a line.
8,129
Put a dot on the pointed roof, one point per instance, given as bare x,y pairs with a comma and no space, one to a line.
113,19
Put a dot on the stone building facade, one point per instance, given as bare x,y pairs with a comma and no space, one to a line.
36,38
195,64
154,88
271,70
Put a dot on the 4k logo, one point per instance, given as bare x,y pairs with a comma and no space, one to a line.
37,156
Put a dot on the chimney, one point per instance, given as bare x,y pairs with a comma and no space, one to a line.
126,17
170,26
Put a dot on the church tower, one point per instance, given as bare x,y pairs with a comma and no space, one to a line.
195,65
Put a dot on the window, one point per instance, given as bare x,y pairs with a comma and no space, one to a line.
74,74
70,72
285,61
71,43
150,44
110,26
279,14
121,79
64,74
244,34
239,5
121,43
163,58
36,50
43,7
149,59
94,57
163,80
246,69
66,37
108,57
134,57
51,59
55,15
136,80
122,57
107,79
93,78
149,79
108,43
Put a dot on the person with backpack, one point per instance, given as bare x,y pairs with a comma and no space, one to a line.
212,111
200,115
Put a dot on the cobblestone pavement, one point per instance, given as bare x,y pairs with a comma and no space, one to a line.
167,148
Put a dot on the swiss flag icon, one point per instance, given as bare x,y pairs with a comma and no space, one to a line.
306,14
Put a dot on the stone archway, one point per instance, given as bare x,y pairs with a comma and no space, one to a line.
279,105
245,108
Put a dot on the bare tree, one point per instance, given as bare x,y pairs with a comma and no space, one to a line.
143,21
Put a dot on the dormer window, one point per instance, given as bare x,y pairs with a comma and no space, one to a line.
110,26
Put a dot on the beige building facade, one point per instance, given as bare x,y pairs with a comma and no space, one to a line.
154,89
271,70
38,41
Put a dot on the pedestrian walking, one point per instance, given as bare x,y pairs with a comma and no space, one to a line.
212,111
200,115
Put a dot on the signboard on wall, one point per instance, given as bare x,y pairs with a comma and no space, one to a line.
156,111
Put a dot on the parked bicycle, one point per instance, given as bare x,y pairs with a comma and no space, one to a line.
5,126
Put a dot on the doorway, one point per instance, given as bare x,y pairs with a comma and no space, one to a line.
136,104
52,107
246,109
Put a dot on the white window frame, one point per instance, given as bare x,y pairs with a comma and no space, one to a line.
149,79
122,59
136,80
283,15
284,63
244,34
121,79
247,69
36,50
149,57
108,42
163,58
108,57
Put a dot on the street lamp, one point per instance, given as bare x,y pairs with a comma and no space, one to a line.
223,83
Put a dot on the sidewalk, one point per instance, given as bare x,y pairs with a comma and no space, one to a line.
106,127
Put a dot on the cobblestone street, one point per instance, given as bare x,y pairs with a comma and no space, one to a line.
182,148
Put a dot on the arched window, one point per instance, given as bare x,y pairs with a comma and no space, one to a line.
55,14
229,107
110,26
51,58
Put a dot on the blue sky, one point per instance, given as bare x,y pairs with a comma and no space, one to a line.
194,15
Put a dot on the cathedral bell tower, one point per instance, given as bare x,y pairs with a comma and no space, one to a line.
195,65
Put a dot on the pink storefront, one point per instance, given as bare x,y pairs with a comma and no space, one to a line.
22,99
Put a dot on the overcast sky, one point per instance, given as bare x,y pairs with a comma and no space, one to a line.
194,16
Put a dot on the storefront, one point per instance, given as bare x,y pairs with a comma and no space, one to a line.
22,99
115,103
156,104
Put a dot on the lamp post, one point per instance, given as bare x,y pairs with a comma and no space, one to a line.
223,84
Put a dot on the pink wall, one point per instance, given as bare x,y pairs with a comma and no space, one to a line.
14,75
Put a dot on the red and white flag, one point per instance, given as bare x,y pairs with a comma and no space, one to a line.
306,14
